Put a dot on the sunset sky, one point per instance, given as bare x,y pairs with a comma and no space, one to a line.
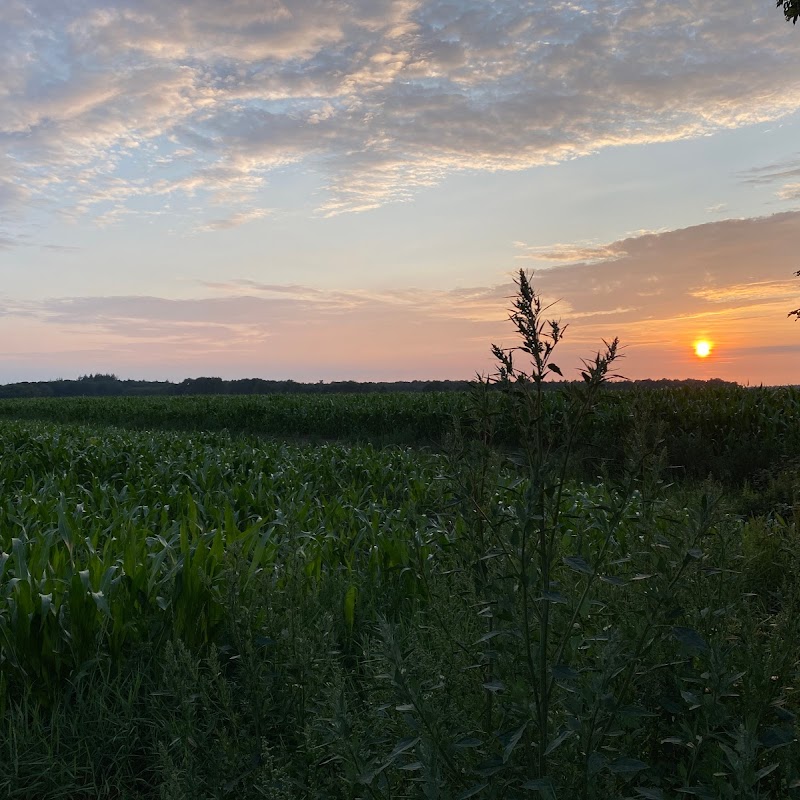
331,189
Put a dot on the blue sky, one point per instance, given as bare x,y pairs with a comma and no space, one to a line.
327,190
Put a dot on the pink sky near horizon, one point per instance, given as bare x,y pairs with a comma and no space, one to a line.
329,191
243,329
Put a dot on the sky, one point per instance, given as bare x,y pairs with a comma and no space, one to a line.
346,189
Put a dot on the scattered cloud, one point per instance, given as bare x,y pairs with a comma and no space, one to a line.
234,220
570,253
790,191
12,196
105,105
61,248
772,174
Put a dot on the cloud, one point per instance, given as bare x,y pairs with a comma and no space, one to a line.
10,307
760,290
732,281
128,100
776,173
790,191
267,307
62,248
12,196
685,271
561,253
771,349
234,221
771,173
706,269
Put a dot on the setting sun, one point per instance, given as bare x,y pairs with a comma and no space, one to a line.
702,348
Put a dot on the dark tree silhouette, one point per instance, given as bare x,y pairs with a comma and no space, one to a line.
791,8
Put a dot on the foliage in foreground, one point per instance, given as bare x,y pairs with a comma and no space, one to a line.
791,10
367,636
190,615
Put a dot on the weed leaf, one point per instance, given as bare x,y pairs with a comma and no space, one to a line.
690,639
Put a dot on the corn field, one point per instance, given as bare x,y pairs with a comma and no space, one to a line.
199,602
726,431
111,539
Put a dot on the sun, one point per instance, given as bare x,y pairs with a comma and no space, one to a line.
702,348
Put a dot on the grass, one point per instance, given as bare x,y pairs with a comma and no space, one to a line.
193,613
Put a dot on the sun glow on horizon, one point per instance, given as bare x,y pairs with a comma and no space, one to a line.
702,348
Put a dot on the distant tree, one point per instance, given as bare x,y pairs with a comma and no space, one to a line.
203,385
791,9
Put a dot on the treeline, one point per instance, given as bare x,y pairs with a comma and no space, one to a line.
102,385
109,385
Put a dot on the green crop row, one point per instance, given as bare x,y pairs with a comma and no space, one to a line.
726,431
108,541
383,417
